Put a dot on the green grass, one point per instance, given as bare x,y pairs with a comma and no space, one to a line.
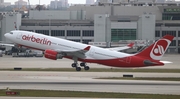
50,93
99,70
143,78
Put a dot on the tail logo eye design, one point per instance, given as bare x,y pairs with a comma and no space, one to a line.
159,49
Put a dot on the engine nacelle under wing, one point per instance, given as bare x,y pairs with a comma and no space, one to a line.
51,54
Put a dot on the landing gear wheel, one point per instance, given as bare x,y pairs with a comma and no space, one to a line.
86,68
78,68
82,64
74,65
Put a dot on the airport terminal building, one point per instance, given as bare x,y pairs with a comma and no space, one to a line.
105,22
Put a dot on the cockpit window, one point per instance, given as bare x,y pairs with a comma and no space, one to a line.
11,32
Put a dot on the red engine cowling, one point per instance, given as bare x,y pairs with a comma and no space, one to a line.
50,54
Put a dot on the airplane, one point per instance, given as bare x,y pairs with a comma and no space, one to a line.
57,48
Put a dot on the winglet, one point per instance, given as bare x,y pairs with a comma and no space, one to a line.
87,48
130,45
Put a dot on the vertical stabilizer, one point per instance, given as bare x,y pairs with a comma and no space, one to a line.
157,49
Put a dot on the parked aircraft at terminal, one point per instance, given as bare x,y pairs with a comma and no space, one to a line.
56,48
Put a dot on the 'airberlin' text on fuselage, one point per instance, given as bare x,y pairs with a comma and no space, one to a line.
37,40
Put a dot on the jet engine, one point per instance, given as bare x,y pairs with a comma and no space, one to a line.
50,54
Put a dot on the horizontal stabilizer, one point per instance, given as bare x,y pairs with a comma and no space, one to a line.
166,62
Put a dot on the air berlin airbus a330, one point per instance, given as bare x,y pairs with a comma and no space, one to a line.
56,48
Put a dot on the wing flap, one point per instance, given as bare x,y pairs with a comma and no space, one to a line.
77,53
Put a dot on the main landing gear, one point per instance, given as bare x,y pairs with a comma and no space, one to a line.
84,65
75,65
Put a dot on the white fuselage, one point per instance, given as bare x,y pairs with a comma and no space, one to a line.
43,42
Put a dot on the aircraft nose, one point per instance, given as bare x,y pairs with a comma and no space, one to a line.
6,35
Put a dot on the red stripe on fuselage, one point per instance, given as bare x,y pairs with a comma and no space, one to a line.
128,62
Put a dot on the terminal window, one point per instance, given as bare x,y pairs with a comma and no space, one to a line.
171,16
57,32
178,33
73,33
88,33
173,43
45,32
86,41
157,34
173,33
123,34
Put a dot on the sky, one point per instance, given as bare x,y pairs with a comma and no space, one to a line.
34,2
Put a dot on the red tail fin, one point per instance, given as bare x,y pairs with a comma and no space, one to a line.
157,49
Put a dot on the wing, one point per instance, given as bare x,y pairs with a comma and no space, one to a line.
122,48
78,53
3,44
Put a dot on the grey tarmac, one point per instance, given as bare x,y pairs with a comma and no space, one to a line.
81,81
34,62
84,81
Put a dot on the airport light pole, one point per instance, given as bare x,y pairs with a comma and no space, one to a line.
50,24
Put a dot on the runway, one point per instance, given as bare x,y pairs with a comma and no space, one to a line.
84,81
74,81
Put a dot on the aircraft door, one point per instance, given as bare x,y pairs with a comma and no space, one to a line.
19,36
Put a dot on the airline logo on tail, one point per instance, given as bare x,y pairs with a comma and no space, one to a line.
159,49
